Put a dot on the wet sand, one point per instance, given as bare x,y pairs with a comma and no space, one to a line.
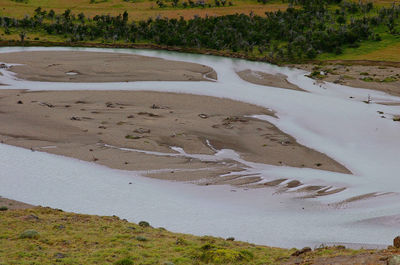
70,66
81,124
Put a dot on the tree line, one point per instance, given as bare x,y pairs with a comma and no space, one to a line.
301,32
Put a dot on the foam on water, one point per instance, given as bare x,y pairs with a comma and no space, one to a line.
330,118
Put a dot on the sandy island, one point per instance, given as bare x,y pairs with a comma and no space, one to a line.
64,66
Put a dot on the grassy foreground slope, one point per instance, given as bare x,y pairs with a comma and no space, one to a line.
48,236
45,236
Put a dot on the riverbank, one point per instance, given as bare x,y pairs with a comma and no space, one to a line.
381,76
78,239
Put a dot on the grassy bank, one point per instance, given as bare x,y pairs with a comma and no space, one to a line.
47,236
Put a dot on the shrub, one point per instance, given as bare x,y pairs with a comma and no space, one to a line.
141,238
29,234
144,224
3,208
216,255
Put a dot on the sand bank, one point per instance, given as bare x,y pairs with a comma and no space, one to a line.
378,77
265,79
71,66
83,124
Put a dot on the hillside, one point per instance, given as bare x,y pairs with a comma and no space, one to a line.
45,236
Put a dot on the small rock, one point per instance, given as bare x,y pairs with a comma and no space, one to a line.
302,251
3,66
20,102
131,117
203,116
110,105
46,104
31,217
142,130
154,106
59,256
60,227
396,242
74,118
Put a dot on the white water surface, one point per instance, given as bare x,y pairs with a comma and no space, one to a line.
324,118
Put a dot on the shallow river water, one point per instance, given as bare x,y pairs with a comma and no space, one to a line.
324,118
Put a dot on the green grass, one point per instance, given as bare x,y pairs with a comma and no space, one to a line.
48,236
388,49
56,236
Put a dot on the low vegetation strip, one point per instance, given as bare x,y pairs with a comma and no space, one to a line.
47,236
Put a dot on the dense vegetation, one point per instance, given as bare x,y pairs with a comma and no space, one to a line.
304,30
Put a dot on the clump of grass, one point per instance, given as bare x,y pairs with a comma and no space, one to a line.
367,79
3,208
316,75
141,238
125,261
218,255
389,79
364,73
132,137
33,234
